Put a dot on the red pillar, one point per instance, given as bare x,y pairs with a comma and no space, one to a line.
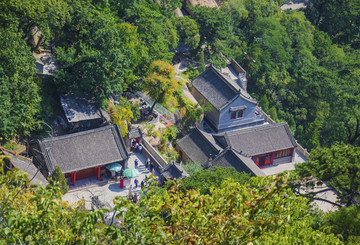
99,170
74,178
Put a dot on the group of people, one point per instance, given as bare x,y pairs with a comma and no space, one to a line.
149,165
142,184
135,146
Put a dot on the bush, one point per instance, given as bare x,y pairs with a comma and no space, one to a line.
192,168
58,179
204,180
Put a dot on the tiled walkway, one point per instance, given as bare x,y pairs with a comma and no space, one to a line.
108,192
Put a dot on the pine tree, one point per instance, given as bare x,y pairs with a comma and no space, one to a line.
264,103
273,113
58,179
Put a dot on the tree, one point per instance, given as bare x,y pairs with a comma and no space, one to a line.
19,97
339,166
188,31
192,167
233,212
160,83
213,24
31,214
58,179
344,222
99,62
204,180
201,62
339,18
121,115
264,103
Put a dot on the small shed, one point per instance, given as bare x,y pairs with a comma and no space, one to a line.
173,171
135,135
82,113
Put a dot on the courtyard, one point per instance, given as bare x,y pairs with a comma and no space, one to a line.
106,191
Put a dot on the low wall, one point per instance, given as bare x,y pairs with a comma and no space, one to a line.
303,151
150,152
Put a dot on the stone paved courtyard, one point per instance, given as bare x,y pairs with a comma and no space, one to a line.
109,191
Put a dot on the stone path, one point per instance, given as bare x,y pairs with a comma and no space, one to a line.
109,191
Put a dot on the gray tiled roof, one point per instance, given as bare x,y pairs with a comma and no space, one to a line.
174,171
259,139
84,150
230,158
79,109
213,86
197,146
135,133
26,165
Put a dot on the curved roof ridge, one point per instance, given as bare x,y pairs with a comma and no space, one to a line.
204,134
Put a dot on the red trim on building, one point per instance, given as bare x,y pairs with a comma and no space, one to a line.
98,171
268,158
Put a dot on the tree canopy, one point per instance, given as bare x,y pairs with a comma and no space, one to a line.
160,83
339,166
19,90
234,212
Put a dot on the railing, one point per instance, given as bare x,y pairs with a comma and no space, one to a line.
150,152
302,150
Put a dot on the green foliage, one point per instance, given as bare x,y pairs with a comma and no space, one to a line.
264,103
339,166
160,84
191,72
10,146
273,113
205,180
38,216
201,62
338,18
157,31
344,222
188,31
171,133
245,213
213,24
58,179
19,96
192,167
298,232
216,59
248,212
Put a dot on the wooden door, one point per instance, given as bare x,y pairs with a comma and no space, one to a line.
262,161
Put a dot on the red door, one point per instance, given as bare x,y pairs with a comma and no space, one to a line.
262,161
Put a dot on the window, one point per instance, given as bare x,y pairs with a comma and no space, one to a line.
268,156
283,153
237,114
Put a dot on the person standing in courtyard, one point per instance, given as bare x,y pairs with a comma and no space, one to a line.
136,163
140,148
142,184
136,182
136,147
